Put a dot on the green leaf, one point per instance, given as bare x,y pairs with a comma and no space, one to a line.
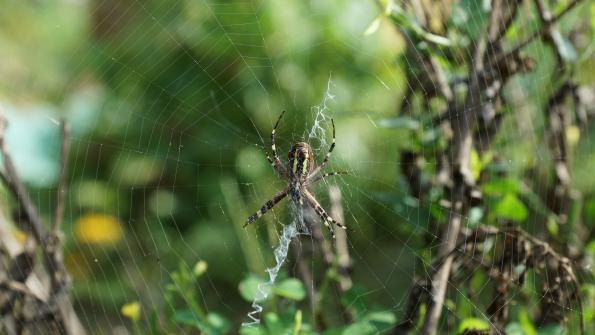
590,211
526,324
216,325
501,186
402,122
291,289
274,323
217,321
253,330
510,207
591,248
373,26
475,216
154,322
475,164
297,322
552,330
478,163
473,324
470,17
552,226
382,318
249,287
407,22
514,328
354,301
565,47
360,328
187,317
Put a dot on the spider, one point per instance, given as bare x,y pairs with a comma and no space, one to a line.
299,172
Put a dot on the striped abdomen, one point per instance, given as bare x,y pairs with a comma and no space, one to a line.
300,161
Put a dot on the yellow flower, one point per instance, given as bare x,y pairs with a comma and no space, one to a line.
98,229
131,310
200,268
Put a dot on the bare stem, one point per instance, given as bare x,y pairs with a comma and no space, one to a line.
64,151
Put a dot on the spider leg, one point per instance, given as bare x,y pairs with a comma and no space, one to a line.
267,205
329,174
322,213
275,162
328,154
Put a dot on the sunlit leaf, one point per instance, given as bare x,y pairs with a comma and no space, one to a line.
405,21
137,170
95,195
552,226
510,207
564,46
473,324
297,322
501,186
573,134
373,27
514,328
290,288
219,323
475,216
526,324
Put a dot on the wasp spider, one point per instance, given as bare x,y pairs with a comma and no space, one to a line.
300,173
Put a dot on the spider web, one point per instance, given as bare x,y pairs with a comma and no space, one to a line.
197,119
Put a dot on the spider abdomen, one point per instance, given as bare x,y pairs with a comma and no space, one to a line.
300,161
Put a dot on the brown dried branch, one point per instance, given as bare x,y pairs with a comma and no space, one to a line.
463,123
539,33
518,249
558,201
463,120
10,178
418,295
58,309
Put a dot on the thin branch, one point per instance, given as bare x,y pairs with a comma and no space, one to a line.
540,32
341,247
66,320
305,273
463,124
521,248
10,178
64,151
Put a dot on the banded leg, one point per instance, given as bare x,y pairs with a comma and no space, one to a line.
329,174
328,154
275,162
326,219
265,208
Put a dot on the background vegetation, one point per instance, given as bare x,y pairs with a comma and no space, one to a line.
170,104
